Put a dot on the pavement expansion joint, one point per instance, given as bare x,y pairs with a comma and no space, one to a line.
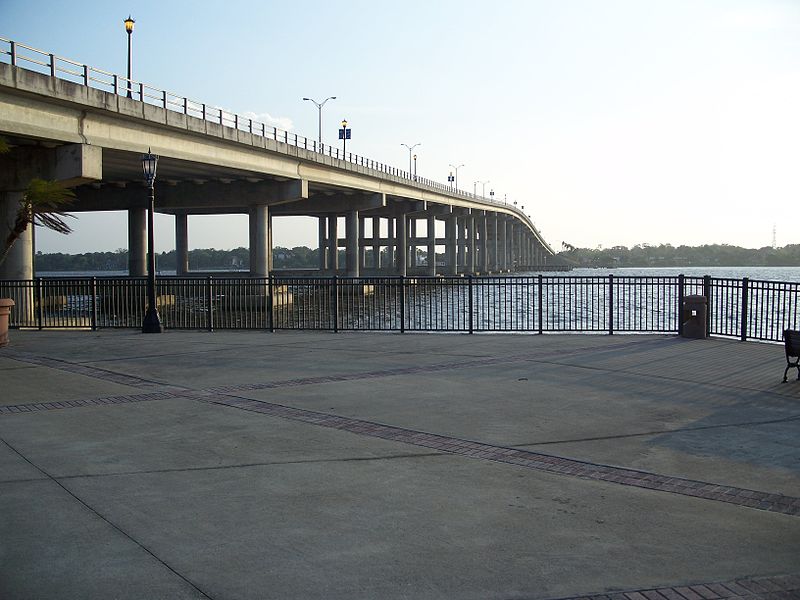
272,463
623,436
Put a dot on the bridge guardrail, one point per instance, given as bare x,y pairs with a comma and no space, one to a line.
22,55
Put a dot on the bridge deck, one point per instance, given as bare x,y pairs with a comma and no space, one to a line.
304,465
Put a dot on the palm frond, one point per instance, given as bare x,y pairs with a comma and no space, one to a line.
43,204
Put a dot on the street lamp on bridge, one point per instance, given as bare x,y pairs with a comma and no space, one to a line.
319,106
129,28
410,150
475,187
152,322
455,179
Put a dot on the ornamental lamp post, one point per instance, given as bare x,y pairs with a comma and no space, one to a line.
344,135
319,106
129,28
152,322
410,150
415,167
491,195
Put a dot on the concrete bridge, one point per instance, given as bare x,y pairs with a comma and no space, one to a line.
87,128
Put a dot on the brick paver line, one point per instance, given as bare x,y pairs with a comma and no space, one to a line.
784,587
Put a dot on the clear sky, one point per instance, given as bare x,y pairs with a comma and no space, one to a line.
612,122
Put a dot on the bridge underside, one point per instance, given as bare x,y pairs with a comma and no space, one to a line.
383,233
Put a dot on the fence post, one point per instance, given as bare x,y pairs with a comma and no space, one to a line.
52,65
745,294
610,305
469,294
271,303
707,294
13,53
94,304
681,294
39,304
210,302
402,304
335,304
541,297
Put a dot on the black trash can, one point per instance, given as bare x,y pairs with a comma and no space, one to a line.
693,317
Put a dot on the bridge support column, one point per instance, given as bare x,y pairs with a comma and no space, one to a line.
402,245
450,230
260,241
333,244
376,247
483,230
137,242
494,242
411,224
461,260
362,245
181,244
322,242
390,247
19,261
503,232
351,249
514,247
472,244
431,227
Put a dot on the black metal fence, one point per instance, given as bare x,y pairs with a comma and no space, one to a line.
742,308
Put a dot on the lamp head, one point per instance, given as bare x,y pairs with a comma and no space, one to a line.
149,164
415,157
129,24
344,123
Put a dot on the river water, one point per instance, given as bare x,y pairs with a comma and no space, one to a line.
791,274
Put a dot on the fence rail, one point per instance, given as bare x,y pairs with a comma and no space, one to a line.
746,309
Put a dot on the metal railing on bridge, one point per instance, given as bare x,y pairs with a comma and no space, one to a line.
746,309
33,59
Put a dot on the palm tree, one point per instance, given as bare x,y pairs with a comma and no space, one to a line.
42,203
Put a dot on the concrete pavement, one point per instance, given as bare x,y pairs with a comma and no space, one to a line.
316,465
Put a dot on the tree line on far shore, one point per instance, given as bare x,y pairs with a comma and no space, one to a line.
302,257
666,255
199,259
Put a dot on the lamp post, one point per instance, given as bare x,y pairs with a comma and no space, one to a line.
152,322
129,28
415,167
455,180
410,150
491,195
319,106
344,135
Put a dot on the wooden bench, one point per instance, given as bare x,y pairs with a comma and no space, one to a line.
791,339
